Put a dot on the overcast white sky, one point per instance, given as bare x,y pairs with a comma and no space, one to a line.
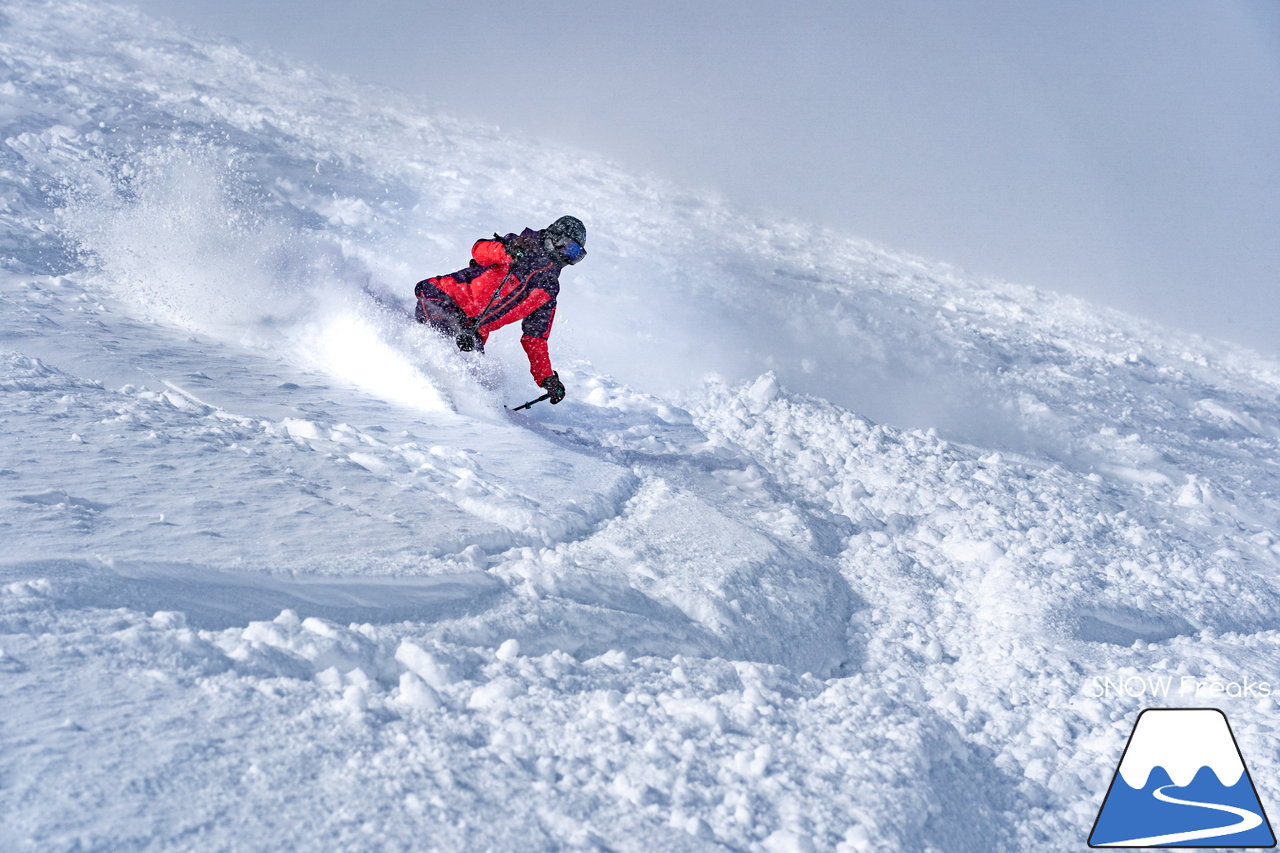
1128,151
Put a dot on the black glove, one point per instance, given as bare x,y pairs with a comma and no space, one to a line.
553,386
466,340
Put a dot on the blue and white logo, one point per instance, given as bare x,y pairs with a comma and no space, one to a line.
1182,782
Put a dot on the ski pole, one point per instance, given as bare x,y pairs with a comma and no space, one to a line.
531,402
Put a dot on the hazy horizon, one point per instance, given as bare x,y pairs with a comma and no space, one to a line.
1122,152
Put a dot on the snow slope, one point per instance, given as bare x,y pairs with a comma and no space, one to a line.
829,548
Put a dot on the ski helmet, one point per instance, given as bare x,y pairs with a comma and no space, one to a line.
567,228
566,239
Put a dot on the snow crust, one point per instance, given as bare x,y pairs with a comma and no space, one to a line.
828,548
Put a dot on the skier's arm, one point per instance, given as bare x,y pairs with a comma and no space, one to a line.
537,328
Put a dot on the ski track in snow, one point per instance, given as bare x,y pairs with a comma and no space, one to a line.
822,552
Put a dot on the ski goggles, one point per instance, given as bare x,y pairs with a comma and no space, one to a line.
572,252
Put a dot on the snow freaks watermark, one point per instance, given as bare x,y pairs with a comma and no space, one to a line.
1178,687
1182,782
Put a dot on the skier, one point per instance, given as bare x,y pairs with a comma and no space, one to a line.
516,277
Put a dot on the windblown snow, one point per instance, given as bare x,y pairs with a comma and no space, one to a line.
828,547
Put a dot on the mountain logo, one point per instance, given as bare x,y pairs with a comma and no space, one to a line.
1182,782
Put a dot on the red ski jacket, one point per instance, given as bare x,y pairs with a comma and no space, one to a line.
498,289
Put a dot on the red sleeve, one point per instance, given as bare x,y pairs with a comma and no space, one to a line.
537,328
490,252
539,358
